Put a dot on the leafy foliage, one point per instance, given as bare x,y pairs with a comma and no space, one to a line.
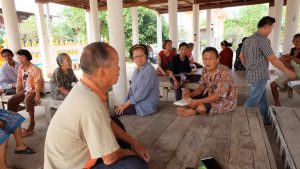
244,24
71,25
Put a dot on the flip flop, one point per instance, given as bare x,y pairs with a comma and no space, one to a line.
26,133
25,151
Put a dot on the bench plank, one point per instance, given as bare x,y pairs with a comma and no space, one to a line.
167,143
217,144
261,158
289,124
190,148
241,155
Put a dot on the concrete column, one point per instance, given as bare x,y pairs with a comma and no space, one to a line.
172,6
48,19
47,65
159,31
272,14
135,25
196,31
94,21
208,27
11,24
117,40
277,26
88,26
291,24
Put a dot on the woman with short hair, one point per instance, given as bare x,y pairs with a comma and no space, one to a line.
143,95
63,78
164,57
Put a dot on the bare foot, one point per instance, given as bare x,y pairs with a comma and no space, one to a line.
179,110
187,112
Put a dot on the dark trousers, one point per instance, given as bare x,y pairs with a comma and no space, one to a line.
130,110
128,162
190,79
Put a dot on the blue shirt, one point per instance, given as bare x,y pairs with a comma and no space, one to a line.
8,75
144,90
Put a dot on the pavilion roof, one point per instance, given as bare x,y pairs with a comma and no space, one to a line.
162,5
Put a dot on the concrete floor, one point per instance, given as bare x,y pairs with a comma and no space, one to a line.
36,141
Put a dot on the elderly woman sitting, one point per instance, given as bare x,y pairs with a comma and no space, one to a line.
63,77
143,95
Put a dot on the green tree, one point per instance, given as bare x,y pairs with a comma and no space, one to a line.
28,29
244,24
71,25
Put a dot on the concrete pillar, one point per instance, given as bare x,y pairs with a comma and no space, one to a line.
117,40
208,27
172,6
272,14
196,31
94,21
11,24
277,26
47,65
48,19
159,31
88,26
135,25
291,24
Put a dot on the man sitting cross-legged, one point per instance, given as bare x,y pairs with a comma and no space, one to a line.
216,92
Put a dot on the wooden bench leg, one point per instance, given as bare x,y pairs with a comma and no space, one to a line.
165,94
49,113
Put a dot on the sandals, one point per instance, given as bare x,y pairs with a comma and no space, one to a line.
25,151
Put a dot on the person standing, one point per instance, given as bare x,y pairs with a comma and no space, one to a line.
255,55
226,54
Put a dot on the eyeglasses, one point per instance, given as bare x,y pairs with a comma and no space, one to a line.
140,56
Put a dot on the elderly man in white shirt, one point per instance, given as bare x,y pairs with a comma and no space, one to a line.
8,72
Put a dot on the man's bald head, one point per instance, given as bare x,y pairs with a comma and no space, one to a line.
95,55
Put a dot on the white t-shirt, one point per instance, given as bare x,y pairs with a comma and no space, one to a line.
79,129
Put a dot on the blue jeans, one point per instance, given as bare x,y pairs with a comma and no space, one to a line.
128,162
258,97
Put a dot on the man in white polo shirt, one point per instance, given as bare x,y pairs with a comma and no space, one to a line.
81,134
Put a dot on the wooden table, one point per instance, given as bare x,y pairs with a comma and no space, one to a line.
286,125
237,140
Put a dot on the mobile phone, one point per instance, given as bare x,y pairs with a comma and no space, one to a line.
210,163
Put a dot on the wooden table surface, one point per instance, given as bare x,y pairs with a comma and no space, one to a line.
286,124
237,140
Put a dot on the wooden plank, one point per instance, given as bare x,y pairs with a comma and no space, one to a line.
156,128
241,146
217,144
141,123
289,124
297,112
268,145
190,148
261,159
167,143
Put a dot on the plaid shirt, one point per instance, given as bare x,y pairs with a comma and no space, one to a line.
256,49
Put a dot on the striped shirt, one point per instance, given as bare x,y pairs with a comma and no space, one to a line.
256,49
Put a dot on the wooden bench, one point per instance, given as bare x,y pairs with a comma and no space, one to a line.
47,102
295,85
286,125
237,140
239,77
164,82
